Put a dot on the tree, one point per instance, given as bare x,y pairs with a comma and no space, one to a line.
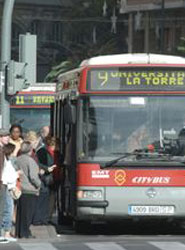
83,18
81,53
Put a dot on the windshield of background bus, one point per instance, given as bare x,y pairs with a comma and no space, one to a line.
30,119
115,124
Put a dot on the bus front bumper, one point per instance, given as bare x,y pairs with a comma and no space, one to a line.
117,203
93,204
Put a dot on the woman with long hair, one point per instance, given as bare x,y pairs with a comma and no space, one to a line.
16,137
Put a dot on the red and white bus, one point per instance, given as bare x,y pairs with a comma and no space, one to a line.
31,108
120,119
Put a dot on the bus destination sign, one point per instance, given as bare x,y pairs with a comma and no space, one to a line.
32,99
132,79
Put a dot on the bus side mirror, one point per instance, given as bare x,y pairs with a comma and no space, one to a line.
69,113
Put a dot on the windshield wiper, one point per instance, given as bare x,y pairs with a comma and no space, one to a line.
110,163
139,155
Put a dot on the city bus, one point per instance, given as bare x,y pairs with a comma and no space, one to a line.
121,122
31,108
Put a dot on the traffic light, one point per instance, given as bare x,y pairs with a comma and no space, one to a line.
14,77
28,55
19,75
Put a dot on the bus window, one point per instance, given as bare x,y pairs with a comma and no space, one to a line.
115,125
30,119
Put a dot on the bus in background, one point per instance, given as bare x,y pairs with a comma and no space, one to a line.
121,121
31,108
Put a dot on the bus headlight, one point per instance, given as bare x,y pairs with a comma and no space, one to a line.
90,194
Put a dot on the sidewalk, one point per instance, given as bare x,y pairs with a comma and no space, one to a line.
46,233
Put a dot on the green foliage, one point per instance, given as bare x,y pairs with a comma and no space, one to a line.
59,69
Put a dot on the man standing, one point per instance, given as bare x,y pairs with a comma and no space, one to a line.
44,132
4,139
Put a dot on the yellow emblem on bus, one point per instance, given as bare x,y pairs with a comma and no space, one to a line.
120,177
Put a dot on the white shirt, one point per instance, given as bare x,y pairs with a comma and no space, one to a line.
9,175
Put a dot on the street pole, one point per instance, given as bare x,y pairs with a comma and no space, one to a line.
5,58
130,33
162,26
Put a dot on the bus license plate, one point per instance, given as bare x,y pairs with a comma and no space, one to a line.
151,210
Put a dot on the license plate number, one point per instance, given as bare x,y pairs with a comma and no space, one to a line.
151,210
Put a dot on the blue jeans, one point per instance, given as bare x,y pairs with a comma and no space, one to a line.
8,212
2,204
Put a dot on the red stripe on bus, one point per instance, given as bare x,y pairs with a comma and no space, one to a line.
133,92
142,65
92,175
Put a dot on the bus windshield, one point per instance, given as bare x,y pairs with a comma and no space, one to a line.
30,118
113,125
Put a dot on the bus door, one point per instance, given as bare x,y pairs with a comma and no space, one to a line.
52,107
68,114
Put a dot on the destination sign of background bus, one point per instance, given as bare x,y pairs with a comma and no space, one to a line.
31,108
34,99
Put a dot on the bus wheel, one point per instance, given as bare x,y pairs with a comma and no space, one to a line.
82,226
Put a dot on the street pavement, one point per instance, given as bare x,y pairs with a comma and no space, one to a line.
101,243
104,237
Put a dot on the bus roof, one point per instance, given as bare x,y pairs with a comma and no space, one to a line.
133,59
41,87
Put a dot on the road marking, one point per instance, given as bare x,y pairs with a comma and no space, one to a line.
37,246
104,246
168,245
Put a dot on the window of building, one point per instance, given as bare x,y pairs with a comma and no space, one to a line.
57,31
34,27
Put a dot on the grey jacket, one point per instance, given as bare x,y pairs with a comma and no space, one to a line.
30,181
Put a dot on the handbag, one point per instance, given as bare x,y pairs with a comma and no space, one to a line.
15,193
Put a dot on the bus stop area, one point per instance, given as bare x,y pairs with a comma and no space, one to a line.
45,233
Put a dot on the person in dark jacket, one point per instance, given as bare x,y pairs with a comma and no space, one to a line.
48,162
30,186
46,166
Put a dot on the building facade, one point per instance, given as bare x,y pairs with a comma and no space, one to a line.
43,18
158,25
143,25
